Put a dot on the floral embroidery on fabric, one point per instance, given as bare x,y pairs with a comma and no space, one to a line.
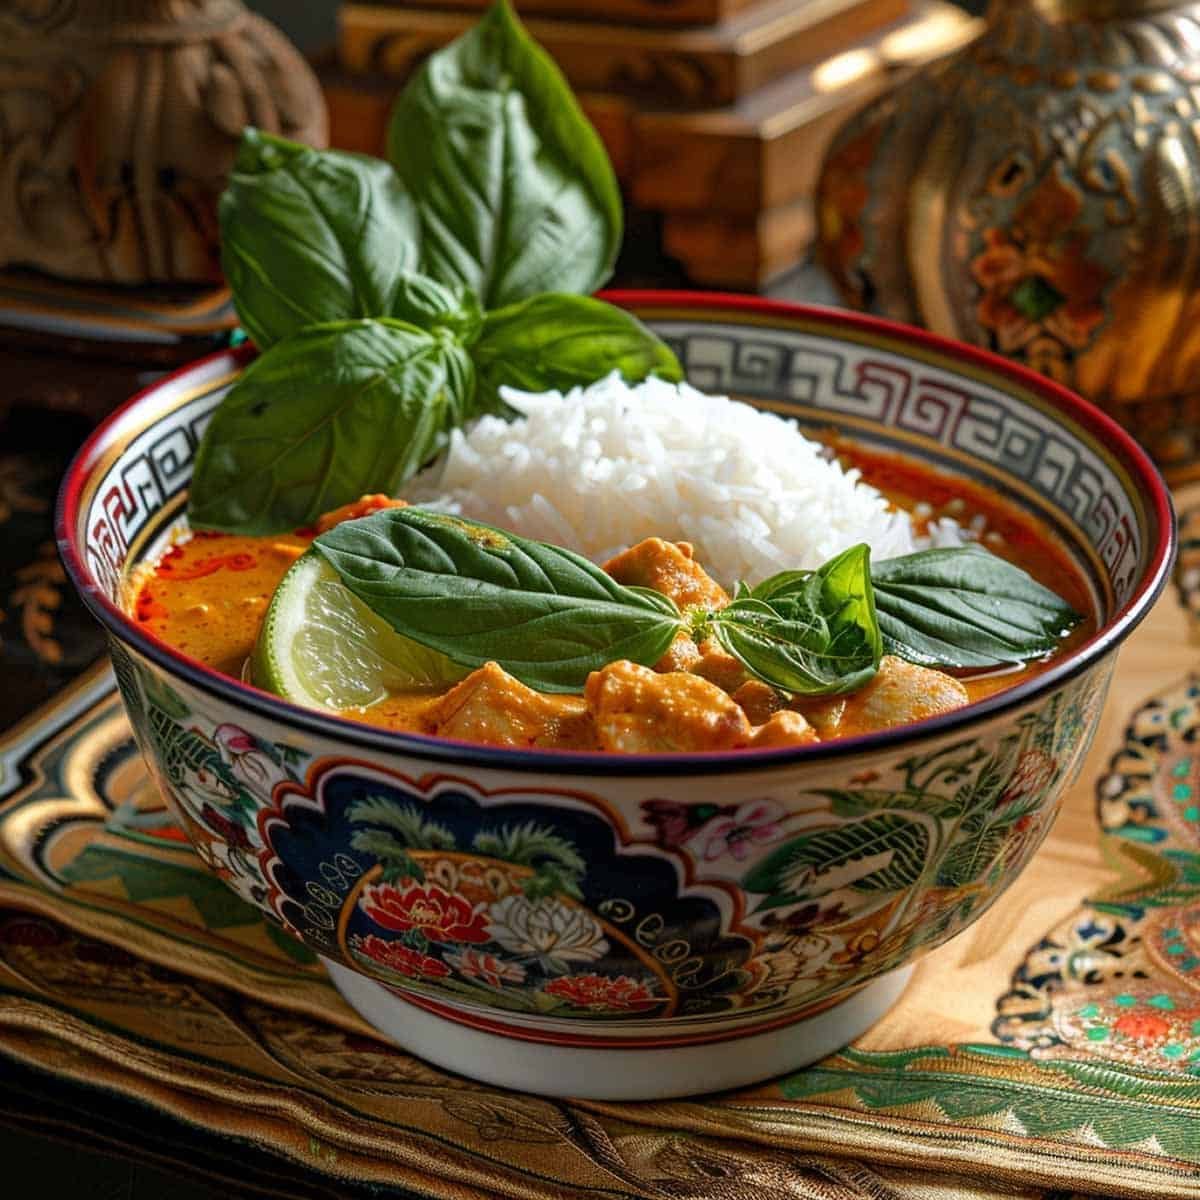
1117,981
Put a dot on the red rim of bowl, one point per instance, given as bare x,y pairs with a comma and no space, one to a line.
571,762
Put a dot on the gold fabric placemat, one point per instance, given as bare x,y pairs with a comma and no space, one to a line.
1052,1048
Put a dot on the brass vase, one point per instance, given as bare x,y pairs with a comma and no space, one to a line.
119,120
1038,194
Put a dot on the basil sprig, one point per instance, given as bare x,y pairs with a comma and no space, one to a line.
808,637
515,192
959,608
570,339
379,398
499,204
549,617
310,236
477,594
966,608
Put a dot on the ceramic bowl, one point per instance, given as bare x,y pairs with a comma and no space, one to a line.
628,927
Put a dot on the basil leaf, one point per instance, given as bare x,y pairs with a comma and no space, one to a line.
848,594
557,342
424,302
816,634
514,189
966,608
477,594
777,587
842,589
312,235
335,411
799,657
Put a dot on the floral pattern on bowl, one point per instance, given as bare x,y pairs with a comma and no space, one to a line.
520,899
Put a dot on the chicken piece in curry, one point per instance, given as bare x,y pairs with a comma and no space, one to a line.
206,597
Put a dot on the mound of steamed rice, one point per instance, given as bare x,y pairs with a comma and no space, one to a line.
602,467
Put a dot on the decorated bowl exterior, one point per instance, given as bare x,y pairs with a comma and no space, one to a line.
589,900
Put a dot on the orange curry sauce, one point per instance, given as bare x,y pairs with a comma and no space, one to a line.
206,597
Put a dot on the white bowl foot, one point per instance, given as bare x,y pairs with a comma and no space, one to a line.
603,1073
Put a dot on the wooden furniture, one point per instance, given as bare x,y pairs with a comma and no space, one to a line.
647,12
717,126
697,65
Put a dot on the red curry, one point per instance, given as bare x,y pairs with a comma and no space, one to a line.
206,597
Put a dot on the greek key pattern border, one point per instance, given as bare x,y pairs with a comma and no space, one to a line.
153,471
832,379
821,377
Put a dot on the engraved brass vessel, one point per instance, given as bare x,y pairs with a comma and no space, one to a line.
119,120
1038,193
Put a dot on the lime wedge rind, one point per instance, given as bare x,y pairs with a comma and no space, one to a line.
322,647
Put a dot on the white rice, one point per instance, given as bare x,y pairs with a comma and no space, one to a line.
605,466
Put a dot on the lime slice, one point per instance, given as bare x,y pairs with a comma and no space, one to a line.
322,647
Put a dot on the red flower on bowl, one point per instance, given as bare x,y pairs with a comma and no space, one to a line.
440,915
1034,774
399,958
602,993
477,964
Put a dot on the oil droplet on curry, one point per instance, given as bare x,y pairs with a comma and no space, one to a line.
206,598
